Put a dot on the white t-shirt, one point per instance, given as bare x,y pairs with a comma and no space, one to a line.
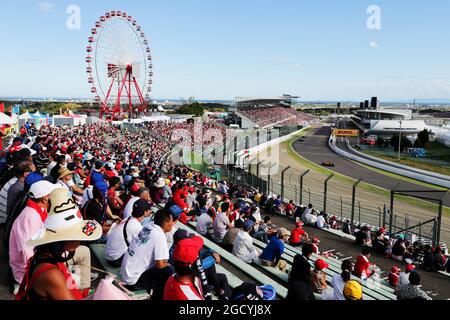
243,247
320,222
204,223
147,247
4,198
338,285
129,207
404,278
87,195
169,235
220,226
115,244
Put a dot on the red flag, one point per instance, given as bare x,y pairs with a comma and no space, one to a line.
2,107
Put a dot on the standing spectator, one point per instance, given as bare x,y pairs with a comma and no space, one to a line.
301,269
429,260
339,280
412,291
243,246
346,227
439,259
271,255
145,264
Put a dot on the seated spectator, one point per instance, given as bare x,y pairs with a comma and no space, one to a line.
115,203
399,249
271,255
299,291
298,235
231,235
339,280
412,290
136,193
404,276
221,222
243,247
429,260
380,243
362,265
144,265
394,277
208,258
319,280
301,269
321,222
364,237
290,208
333,223
205,223
353,291
29,223
120,236
439,259
47,276
308,215
264,230
315,245
347,228
184,284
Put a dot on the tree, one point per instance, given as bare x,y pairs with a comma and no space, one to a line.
404,145
380,142
424,138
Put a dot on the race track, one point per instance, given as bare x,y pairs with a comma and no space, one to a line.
315,149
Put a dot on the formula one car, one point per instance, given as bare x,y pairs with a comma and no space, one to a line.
328,164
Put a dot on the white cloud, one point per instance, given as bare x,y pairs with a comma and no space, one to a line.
46,6
373,44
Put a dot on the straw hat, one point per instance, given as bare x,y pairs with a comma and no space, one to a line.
63,172
65,223
160,183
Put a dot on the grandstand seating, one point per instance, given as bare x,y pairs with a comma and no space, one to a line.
276,116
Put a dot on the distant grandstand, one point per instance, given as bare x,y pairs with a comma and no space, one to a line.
268,112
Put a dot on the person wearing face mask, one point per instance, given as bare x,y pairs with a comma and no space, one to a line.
56,246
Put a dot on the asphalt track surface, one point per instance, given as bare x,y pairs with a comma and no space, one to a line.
314,148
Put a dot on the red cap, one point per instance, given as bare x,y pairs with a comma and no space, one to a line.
299,224
382,230
316,240
187,250
320,264
395,269
410,267
135,187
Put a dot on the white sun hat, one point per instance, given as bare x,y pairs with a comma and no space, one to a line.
65,223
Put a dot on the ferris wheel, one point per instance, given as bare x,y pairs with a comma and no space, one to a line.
119,65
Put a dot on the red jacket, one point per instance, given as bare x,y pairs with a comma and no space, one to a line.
175,290
362,267
296,235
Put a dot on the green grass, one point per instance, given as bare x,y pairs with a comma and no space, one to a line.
439,151
366,186
412,163
399,177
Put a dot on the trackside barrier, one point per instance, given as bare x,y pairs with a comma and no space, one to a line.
402,172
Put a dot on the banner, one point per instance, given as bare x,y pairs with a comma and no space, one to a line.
2,107
345,133
15,109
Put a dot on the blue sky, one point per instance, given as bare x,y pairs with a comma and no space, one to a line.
217,49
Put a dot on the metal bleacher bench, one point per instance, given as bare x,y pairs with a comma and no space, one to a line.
99,252
251,271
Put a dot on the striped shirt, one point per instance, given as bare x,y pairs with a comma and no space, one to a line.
4,199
